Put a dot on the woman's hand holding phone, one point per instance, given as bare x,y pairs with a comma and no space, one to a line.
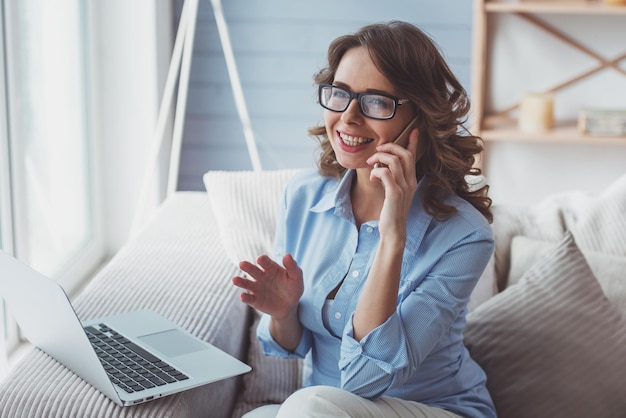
403,140
394,166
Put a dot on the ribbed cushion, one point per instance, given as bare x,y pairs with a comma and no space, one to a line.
598,222
552,345
608,269
176,267
273,378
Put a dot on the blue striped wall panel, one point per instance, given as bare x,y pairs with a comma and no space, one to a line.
278,46
453,12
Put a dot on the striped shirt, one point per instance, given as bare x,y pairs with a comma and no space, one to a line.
418,353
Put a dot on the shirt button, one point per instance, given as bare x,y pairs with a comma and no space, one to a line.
370,229
338,315
355,273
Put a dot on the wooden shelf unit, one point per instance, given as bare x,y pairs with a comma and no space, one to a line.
499,125
565,7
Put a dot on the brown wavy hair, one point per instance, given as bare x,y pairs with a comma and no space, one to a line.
412,62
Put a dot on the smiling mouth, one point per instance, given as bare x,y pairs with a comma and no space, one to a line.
354,141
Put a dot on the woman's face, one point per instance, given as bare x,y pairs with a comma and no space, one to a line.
353,136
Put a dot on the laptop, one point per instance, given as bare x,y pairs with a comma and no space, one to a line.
158,358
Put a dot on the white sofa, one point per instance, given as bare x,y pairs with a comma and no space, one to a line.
553,344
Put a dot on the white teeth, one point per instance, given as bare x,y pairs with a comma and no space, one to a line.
353,141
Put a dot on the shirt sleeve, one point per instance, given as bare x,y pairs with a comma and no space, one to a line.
386,357
272,348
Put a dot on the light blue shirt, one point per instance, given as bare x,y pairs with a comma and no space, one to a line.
418,353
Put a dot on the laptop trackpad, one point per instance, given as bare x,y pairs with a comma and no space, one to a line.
172,343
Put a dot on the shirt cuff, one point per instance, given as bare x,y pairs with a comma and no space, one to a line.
272,348
384,346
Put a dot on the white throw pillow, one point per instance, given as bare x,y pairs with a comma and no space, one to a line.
597,220
245,204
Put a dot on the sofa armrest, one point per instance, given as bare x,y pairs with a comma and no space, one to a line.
176,267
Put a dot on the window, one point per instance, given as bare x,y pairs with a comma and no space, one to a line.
48,192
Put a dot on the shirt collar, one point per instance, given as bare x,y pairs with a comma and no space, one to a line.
337,196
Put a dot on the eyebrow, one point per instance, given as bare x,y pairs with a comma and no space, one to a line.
373,91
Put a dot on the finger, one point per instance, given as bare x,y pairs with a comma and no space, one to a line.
389,155
266,262
247,285
403,151
390,161
252,269
395,178
243,283
385,158
412,144
379,170
402,162
247,298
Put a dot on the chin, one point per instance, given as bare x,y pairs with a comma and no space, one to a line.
350,162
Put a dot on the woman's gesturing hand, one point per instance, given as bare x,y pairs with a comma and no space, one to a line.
270,287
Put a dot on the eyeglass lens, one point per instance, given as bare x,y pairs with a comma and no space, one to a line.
372,105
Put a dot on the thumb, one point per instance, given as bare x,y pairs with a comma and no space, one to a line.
291,265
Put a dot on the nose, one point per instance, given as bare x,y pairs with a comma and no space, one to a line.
353,113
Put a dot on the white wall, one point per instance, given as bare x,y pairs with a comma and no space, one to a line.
527,60
132,41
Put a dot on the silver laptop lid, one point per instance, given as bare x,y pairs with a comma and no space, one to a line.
47,318
49,321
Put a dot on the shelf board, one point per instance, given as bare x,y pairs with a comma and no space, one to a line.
565,7
505,129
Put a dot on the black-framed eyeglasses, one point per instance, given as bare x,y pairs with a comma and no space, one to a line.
373,105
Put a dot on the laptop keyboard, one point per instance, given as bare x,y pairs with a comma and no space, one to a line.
129,366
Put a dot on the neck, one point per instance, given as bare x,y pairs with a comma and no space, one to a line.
367,197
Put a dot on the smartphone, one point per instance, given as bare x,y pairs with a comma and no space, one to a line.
403,138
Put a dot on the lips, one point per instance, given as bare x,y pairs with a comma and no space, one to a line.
353,141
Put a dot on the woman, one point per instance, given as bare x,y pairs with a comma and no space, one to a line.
389,241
